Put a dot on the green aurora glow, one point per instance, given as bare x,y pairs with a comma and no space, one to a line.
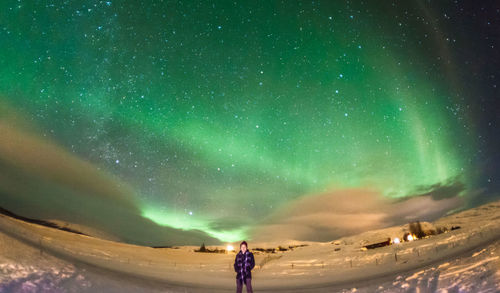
229,111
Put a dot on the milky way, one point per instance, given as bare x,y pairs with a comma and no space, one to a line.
218,112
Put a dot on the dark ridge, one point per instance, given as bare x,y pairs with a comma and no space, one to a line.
379,244
206,250
38,222
165,246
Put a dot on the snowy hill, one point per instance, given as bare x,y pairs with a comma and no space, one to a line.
34,256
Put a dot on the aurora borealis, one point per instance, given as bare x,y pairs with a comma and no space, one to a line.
216,114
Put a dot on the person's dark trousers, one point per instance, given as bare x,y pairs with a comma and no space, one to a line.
239,285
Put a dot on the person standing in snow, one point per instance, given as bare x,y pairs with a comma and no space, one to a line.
243,265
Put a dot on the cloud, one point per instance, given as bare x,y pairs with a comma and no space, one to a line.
24,153
438,191
41,180
328,216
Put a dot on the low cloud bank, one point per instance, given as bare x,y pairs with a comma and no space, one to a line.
39,179
328,216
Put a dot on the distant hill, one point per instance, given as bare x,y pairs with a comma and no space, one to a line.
61,225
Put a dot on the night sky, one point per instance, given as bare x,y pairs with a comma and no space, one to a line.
212,115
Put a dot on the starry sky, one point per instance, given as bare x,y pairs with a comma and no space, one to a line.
212,115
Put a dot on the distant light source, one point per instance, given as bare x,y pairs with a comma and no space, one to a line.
410,237
229,248
396,240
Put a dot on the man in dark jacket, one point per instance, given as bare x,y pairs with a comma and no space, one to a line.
243,265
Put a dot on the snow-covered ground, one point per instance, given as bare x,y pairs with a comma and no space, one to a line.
34,258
